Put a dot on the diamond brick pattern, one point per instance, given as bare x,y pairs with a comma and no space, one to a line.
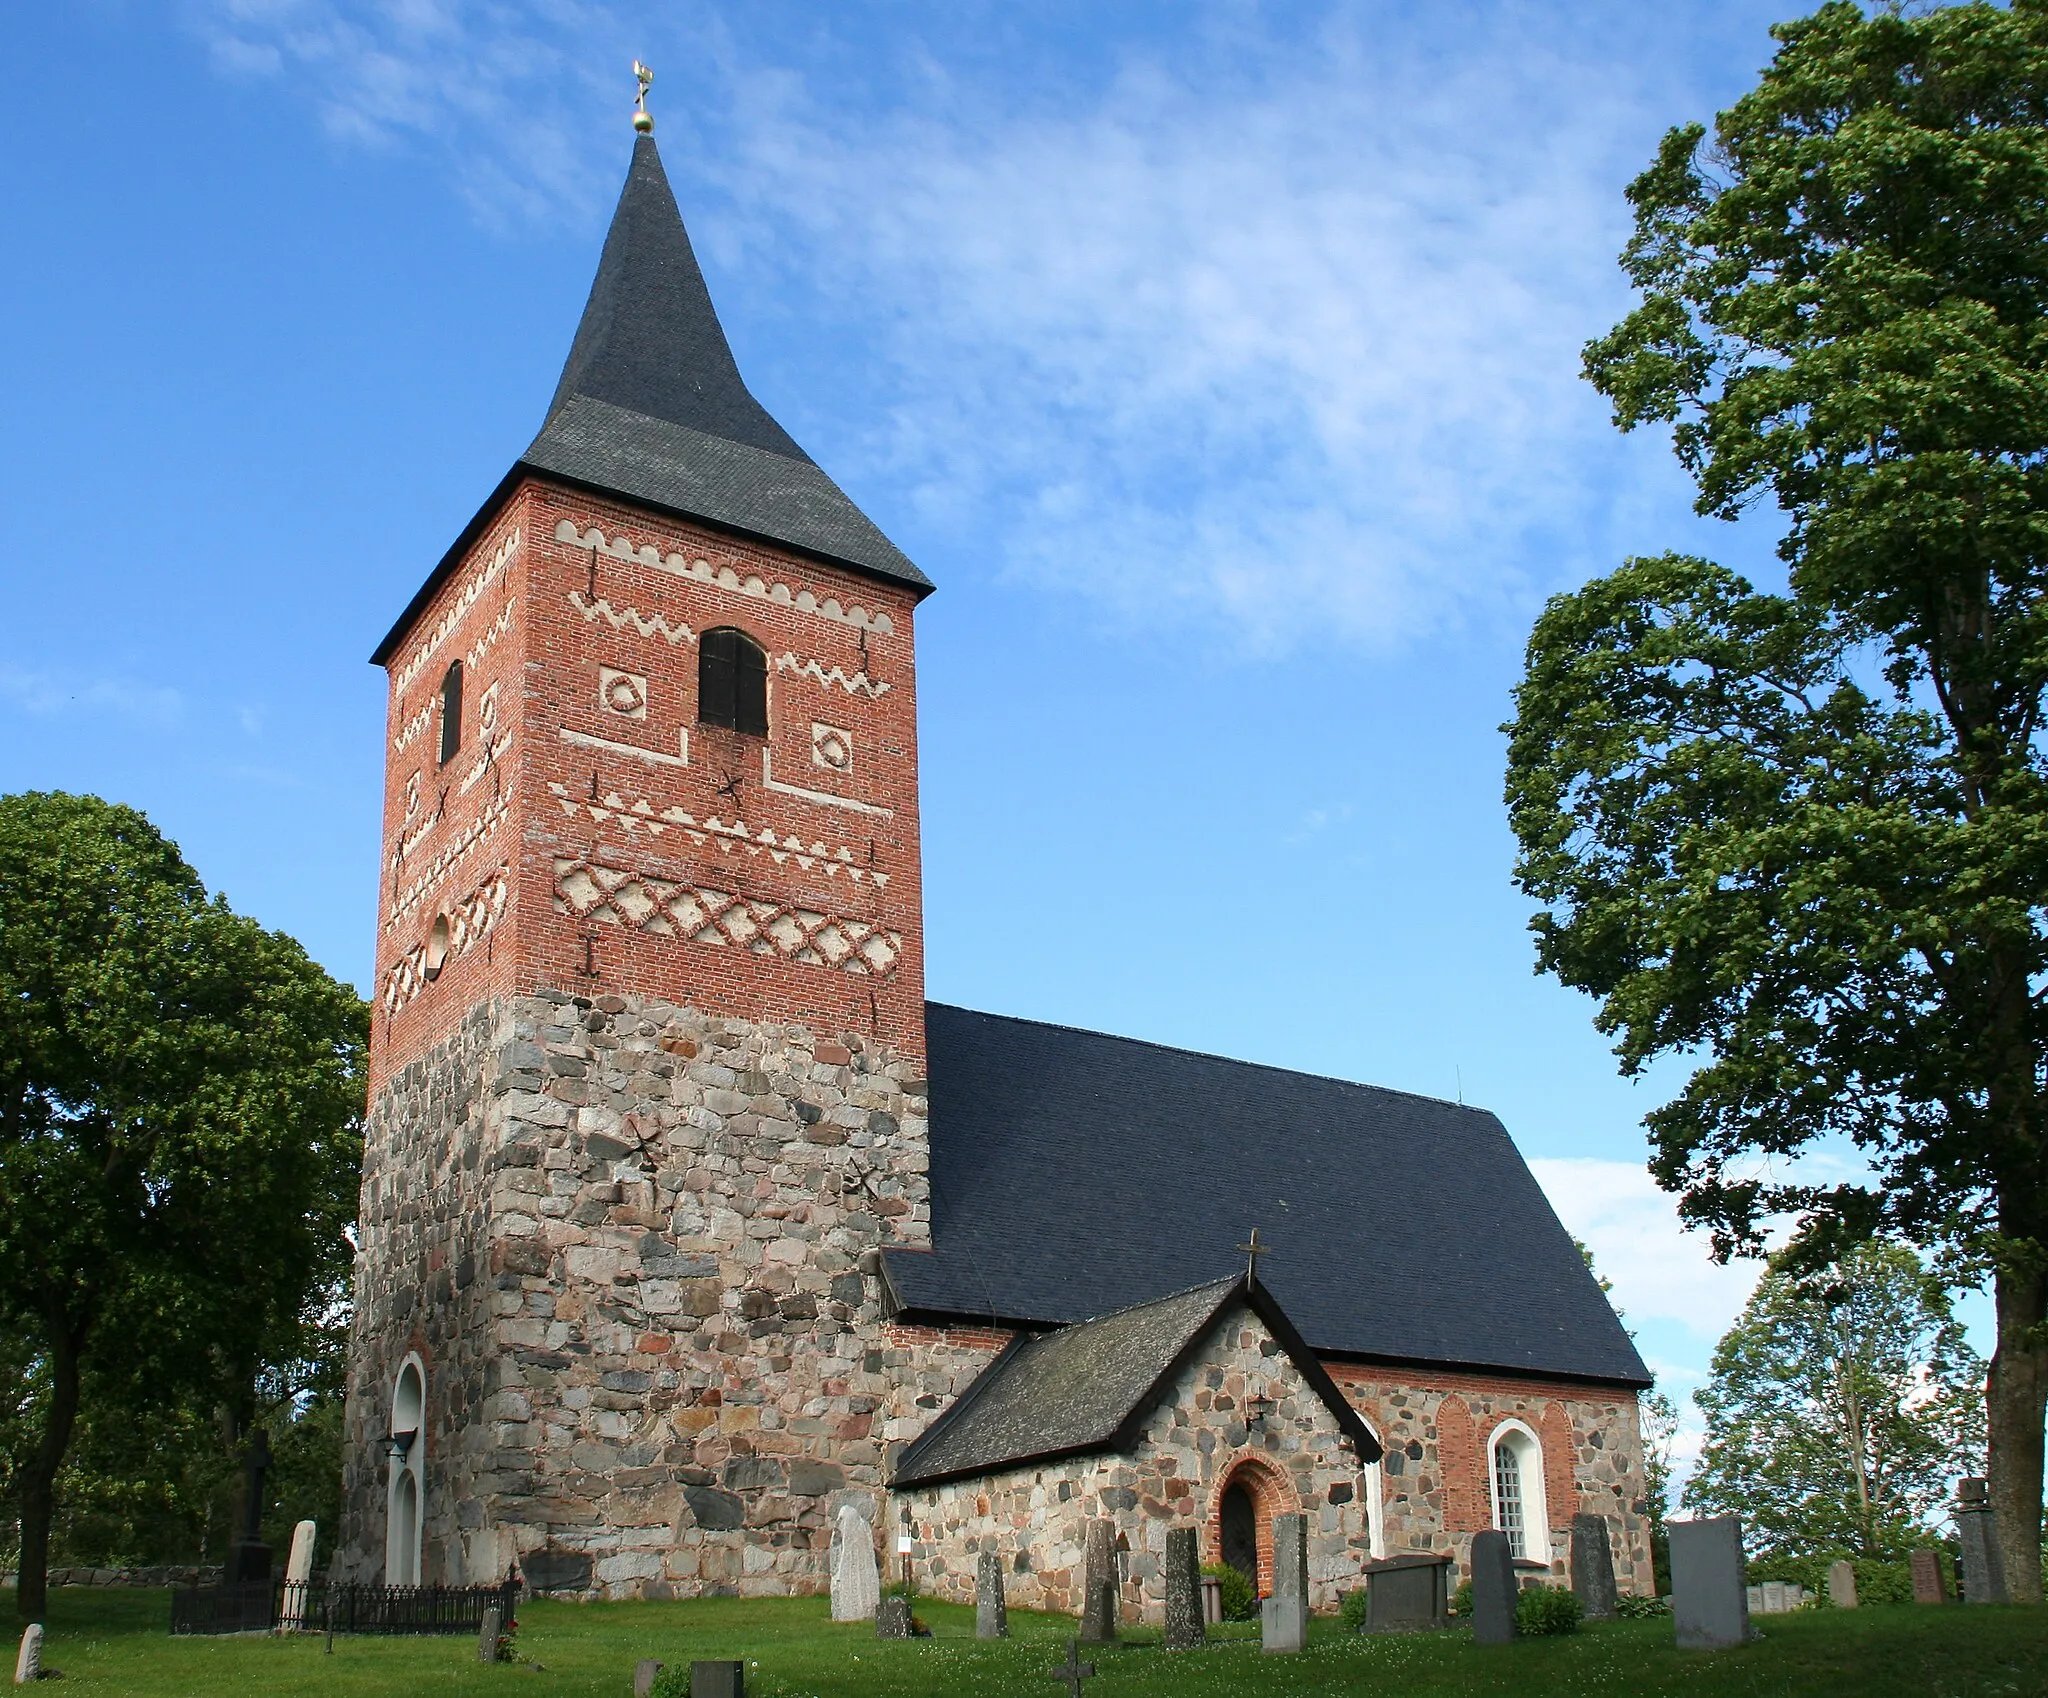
723,918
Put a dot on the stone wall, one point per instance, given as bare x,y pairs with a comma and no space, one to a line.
1190,1447
671,1370
1437,1428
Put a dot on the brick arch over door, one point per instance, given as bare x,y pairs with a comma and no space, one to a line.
1272,1493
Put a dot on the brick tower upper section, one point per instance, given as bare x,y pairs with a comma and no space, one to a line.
575,796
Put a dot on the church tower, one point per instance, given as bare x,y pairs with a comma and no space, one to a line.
647,1065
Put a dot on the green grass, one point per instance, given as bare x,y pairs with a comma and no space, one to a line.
109,1641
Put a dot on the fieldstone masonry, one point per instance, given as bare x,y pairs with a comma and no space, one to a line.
628,1240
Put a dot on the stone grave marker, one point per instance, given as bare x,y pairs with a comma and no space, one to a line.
1073,1671
1842,1584
1977,1529
28,1665
645,1672
1184,1628
718,1680
856,1580
1099,1583
1928,1587
1493,1588
1212,1599
1709,1603
991,1615
1407,1594
298,1575
487,1635
248,1561
892,1619
1593,1567
1283,1618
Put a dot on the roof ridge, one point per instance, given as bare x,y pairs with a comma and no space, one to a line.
1143,1303
1212,1055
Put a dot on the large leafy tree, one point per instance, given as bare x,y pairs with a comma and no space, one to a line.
1801,840
1842,1402
180,1093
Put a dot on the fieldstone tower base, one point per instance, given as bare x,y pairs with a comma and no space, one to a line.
626,1241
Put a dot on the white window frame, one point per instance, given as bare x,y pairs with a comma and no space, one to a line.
1527,1450
408,1413
1373,1483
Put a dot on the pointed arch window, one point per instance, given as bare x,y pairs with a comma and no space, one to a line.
451,711
1520,1509
732,682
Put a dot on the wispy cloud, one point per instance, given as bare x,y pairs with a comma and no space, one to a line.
1282,341
49,694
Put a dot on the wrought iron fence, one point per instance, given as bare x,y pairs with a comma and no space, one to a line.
315,1606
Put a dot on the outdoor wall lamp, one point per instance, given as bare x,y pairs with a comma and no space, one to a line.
398,1445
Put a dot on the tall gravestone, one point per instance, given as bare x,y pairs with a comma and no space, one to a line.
1283,1619
1099,1583
1593,1567
1928,1585
1842,1584
1493,1588
991,1614
856,1580
1184,1628
718,1680
1709,1599
487,1635
28,1664
1977,1531
298,1577
249,1557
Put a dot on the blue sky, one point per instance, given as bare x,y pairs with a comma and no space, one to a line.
1219,362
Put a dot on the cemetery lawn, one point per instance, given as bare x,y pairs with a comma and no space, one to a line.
114,1641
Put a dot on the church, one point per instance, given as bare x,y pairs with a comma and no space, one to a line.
686,1221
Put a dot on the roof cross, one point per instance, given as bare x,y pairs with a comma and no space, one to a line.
643,120
1073,1671
1252,1252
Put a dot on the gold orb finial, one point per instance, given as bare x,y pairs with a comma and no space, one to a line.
643,120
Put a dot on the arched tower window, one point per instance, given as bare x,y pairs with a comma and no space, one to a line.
1519,1510
732,682
451,711
405,1491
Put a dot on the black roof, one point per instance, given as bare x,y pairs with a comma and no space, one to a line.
1075,1173
651,406
1089,1387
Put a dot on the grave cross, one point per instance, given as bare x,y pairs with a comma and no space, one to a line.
1252,1252
1073,1671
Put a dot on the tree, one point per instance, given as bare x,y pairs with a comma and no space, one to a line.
180,1093
1801,840
1841,1403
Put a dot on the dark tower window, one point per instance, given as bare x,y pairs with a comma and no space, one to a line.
451,711
732,682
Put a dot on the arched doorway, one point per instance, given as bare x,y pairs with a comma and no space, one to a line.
1240,1531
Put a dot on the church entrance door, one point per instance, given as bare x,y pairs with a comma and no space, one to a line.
1241,1532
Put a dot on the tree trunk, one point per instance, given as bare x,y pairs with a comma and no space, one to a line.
39,1477
2016,1394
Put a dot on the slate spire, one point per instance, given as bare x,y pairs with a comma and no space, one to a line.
651,404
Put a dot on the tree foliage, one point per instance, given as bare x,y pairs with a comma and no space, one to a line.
1841,1403
1801,839
180,1093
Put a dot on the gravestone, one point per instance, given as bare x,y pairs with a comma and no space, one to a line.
1709,1603
718,1680
1073,1671
1407,1594
645,1672
298,1575
1184,1628
1099,1583
1283,1618
856,1580
1212,1600
1842,1584
1776,1602
249,1557
1493,1588
991,1617
1977,1529
1928,1587
28,1666
1593,1567
487,1635
892,1620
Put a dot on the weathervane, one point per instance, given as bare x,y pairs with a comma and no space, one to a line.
643,120
1253,1251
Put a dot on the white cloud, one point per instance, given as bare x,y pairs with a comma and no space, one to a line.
1280,339
1660,1271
